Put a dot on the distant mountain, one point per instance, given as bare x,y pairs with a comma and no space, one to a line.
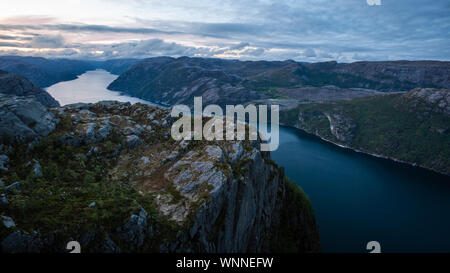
413,127
172,81
383,76
13,84
115,66
45,72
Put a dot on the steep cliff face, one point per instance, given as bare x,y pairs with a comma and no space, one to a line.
110,176
13,84
413,127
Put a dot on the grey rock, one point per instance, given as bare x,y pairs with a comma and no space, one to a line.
135,230
237,150
3,200
78,106
156,122
23,118
342,127
13,187
110,247
145,160
4,159
133,141
113,104
37,170
8,222
17,242
89,133
105,129
429,100
87,114
92,151
87,238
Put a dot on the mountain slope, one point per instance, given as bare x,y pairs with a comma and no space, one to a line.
45,72
412,127
114,66
13,84
173,81
382,76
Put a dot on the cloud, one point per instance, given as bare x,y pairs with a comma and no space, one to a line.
6,37
373,2
239,46
8,44
312,30
309,52
47,41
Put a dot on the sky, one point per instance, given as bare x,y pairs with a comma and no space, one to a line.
301,30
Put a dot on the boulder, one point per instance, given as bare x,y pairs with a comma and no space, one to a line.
3,200
4,159
8,222
17,242
133,141
24,118
13,187
135,230
37,170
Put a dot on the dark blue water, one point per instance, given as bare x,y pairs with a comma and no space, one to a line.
359,198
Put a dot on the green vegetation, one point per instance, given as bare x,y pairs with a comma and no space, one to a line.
60,199
298,231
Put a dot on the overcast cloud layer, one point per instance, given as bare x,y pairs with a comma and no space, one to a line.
303,30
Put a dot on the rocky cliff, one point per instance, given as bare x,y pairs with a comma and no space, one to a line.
109,176
13,84
413,127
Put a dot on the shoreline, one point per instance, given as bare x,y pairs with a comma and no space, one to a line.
365,152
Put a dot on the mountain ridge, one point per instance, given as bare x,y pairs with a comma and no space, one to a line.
177,80
45,72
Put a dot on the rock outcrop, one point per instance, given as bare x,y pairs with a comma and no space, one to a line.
23,118
109,176
428,100
16,85
341,126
